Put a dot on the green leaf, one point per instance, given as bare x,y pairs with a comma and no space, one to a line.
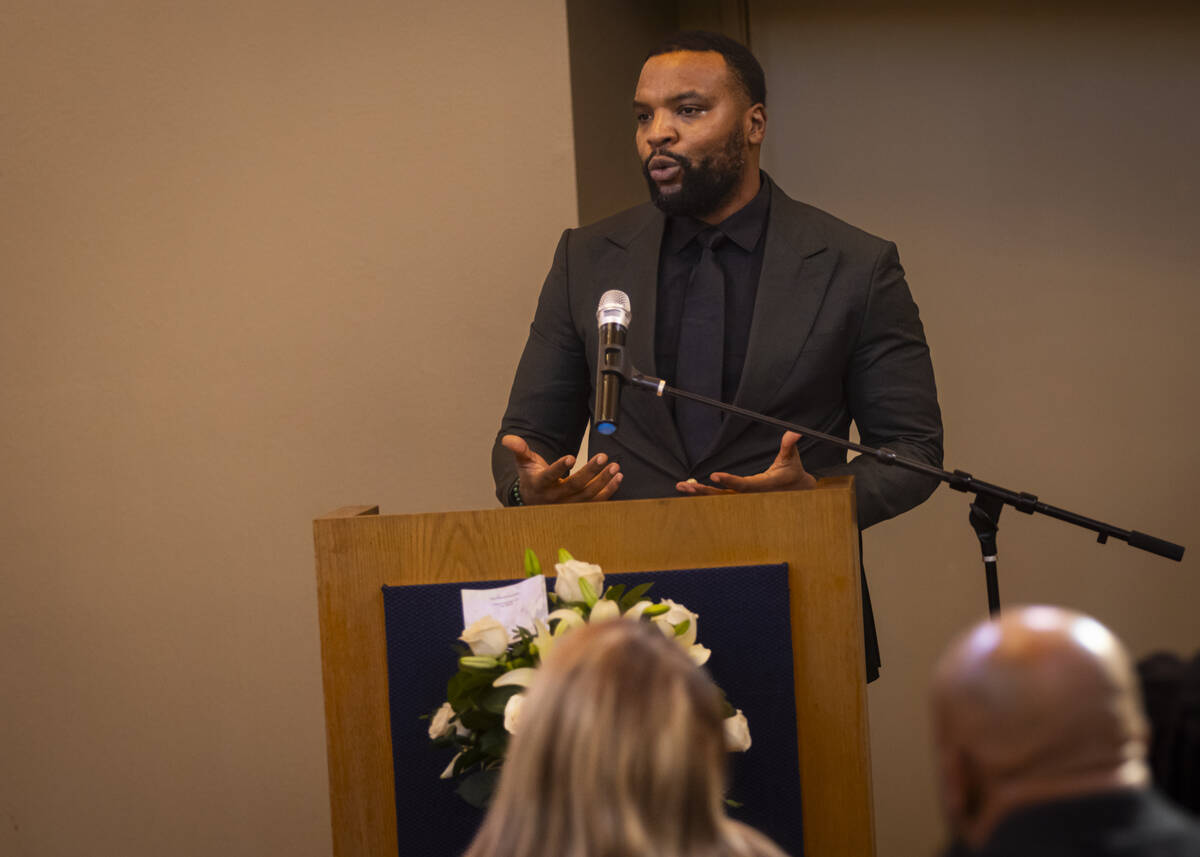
564,555
614,593
496,698
655,610
494,743
533,565
682,627
589,594
481,721
733,804
634,595
463,685
477,789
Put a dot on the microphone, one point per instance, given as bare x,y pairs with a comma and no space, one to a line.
612,315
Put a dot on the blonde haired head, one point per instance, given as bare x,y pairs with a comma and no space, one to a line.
620,752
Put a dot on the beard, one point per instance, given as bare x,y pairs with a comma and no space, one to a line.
704,185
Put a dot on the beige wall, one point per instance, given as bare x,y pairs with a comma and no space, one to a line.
235,296
259,259
1039,175
608,41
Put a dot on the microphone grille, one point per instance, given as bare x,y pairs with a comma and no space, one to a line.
614,308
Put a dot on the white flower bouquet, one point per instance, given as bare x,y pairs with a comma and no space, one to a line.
484,698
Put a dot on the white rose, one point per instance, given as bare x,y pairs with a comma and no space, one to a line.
441,721
486,637
674,616
737,733
699,654
604,610
566,585
512,712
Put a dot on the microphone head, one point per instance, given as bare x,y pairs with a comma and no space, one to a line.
613,308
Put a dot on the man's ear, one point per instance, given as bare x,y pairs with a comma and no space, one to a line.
971,787
962,786
756,124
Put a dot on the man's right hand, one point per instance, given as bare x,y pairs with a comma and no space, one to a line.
554,483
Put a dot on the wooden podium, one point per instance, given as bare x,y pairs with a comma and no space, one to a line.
358,551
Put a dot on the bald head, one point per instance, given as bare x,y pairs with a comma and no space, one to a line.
1039,704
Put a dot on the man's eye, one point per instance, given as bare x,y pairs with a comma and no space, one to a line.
690,110
642,117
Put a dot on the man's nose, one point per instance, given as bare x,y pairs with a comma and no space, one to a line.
661,130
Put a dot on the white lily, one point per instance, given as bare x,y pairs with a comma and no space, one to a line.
737,732
521,677
449,772
512,712
569,619
605,610
543,640
636,611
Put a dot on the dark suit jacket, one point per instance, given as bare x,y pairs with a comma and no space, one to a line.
1112,824
835,336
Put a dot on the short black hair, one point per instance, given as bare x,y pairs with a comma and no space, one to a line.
746,69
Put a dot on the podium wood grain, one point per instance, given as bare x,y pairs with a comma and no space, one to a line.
358,551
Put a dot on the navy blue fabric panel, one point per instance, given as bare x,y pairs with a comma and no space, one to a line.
744,620
421,623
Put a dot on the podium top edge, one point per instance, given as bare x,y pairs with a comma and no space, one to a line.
832,484
350,512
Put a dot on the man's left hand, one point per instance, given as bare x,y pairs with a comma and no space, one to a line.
786,473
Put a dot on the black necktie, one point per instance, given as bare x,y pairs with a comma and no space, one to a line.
701,349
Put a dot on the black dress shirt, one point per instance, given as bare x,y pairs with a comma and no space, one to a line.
740,257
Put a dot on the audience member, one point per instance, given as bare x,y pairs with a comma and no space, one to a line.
1041,744
1171,689
620,750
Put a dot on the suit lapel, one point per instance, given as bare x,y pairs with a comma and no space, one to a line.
639,279
791,286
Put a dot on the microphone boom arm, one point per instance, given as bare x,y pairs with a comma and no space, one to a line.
989,498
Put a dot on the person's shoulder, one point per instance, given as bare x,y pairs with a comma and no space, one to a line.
622,227
815,224
1167,819
742,840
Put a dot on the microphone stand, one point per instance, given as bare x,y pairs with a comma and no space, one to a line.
989,500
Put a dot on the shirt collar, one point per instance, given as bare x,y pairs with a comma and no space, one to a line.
744,227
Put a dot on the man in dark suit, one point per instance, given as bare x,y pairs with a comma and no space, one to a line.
1041,744
738,292
819,327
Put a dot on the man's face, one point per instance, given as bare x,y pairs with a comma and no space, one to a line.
694,127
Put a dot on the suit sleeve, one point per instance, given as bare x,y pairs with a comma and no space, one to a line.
548,404
892,397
